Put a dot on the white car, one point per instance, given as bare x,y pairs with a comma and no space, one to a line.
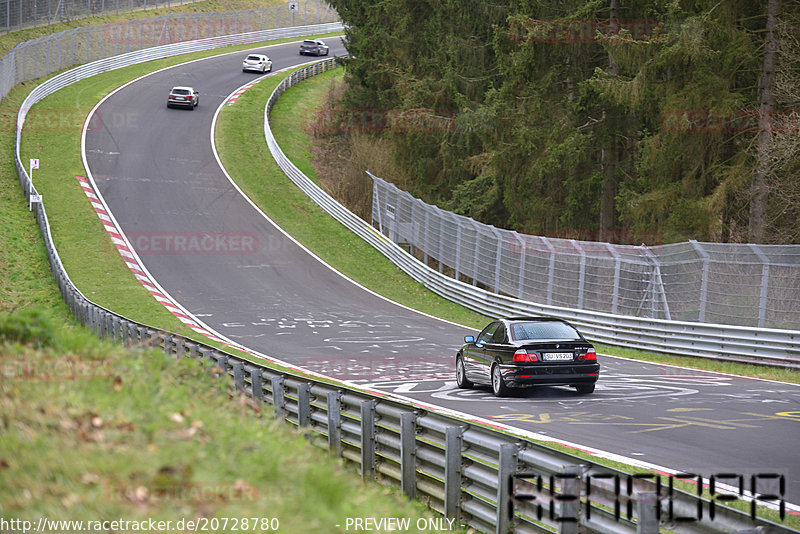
183,96
257,62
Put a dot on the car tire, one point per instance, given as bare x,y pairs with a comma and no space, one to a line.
461,374
499,387
327,51
585,389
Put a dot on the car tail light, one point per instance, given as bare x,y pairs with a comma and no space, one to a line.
189,97
171,95
523,355
588,355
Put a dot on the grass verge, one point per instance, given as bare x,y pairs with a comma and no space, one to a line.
91,431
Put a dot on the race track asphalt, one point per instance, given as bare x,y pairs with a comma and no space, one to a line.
156,171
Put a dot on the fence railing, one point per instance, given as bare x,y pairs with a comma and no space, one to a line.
38,57
718,283
467,471
17,14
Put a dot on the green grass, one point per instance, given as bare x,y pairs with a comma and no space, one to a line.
265,183
271,190
92,431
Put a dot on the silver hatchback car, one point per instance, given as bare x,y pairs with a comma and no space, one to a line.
313,47
183,96
257,62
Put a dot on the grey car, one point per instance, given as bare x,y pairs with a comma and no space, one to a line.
313,47
183,96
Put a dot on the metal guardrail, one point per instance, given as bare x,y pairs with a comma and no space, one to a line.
466,471
721,342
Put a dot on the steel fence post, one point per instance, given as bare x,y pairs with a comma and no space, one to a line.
506,469
452,471
256,384
521,274
582,272
238,375
278,397
704,280
367,438
647,512
408,453
303,404
570,499
551,271
335,422
762,301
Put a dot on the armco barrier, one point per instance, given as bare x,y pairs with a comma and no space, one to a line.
730,343
463,469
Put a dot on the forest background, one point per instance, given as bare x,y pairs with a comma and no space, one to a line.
626,121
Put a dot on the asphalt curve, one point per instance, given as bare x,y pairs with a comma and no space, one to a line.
155,168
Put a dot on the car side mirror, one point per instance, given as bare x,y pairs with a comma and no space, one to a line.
469,339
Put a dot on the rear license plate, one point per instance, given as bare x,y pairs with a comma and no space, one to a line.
557,356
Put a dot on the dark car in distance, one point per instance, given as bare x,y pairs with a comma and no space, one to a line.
527,351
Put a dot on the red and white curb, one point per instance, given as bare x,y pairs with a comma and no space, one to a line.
233,97
133,263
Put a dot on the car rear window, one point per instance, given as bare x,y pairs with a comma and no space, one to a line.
254,58
543,330
309,43
180,91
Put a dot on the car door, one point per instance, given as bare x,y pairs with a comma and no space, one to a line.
498,347
479,365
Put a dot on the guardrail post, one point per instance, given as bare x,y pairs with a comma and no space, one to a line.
335,422
278,397
180,348
303,404
256,384
238,375
408,454
570,499
506,469
647,512
222,363
367,438
452,471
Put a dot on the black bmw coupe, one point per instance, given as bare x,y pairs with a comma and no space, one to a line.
527,351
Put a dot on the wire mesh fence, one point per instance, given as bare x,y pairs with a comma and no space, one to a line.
45,55
732,284
17,14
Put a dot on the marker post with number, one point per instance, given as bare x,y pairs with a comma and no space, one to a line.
294,7
32,198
